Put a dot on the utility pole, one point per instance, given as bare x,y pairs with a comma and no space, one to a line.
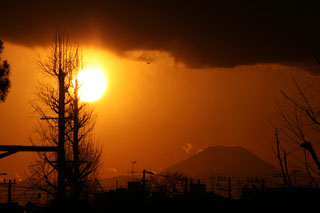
212,184
144,182
263,185
9,192
185,186
133,162
229,183
144,188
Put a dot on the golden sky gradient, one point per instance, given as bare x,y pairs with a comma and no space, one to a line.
155,113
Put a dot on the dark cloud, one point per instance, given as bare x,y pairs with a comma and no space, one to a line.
197,33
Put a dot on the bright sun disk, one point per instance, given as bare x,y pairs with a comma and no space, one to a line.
92,84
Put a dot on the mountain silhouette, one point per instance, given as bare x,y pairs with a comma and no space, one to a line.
223,161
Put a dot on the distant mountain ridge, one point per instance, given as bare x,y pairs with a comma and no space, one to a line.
230,161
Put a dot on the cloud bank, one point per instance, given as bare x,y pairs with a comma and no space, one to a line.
197,33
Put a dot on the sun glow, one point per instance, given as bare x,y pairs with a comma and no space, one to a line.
92,84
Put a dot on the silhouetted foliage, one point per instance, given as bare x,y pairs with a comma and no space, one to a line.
4,77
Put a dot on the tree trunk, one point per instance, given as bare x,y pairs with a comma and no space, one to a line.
308,146
76,164
285,181
61,129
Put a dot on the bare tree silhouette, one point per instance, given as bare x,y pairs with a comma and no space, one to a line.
4,77
86,154
65,122
51,106
299,126
172,183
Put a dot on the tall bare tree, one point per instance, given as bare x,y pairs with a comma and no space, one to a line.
51,106
65,122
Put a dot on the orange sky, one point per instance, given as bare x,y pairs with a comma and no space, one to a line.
151,112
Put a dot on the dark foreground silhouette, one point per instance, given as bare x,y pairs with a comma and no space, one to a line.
271,200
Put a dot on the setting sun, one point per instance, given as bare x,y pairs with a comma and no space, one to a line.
92,84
